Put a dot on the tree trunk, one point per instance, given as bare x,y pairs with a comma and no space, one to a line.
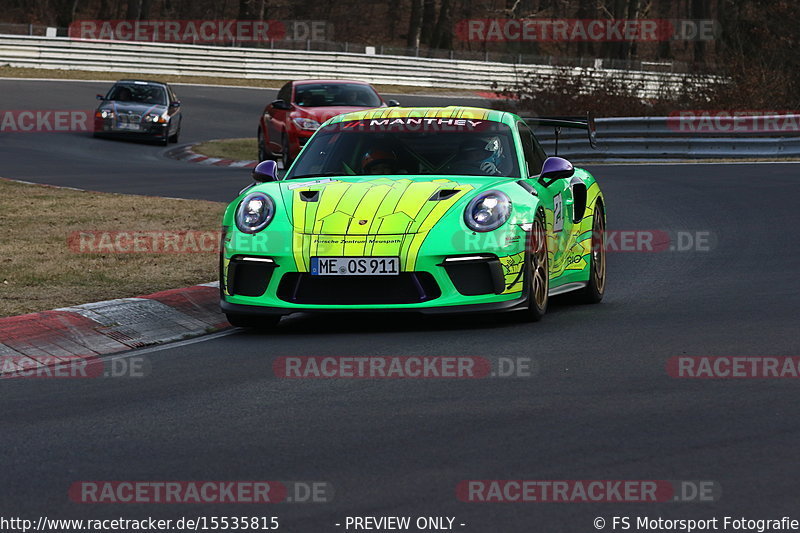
144,14
245,10
134,9
700,10
428,21
443,34
65,12
104,12
414,27
664,47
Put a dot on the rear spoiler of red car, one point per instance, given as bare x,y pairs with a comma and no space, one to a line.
557,123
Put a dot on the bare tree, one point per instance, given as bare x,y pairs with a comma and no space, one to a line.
443,32
134,9
414,24
428,21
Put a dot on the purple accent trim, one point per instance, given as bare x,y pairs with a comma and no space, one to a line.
557,167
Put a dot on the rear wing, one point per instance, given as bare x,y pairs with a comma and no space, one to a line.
580,123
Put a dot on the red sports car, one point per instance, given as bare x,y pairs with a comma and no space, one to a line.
288,122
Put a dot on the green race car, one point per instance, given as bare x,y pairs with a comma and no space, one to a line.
431,210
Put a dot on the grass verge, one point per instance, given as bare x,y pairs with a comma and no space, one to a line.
39,270
237,149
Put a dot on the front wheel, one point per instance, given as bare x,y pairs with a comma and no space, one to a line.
174,138
285,156
594,290
539,272
164,140
259,322
263,153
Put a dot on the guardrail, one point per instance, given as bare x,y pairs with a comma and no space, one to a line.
668,138
486,55
153,59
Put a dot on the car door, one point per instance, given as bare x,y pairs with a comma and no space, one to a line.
275,119
556,196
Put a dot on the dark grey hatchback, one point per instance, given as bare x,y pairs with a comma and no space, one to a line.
147,110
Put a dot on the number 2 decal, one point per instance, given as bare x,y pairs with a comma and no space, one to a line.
558,213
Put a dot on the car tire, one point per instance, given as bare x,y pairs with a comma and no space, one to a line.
258,322
595,289
176,136
263,153
164,140
538,271
285,157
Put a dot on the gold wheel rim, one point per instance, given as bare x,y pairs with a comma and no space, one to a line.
599,251
540,278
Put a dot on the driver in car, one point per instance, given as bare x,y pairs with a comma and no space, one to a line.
479,155
379,161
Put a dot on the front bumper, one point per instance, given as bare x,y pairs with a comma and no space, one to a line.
147,130
298,140
437,279
515,304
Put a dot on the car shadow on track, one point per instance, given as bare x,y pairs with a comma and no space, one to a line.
385,322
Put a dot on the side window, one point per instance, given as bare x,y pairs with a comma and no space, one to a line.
534,155
538,153
285,93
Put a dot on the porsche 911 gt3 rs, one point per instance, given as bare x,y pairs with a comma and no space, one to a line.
431,210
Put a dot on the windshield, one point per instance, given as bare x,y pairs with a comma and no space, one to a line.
409,146
142,94
336,94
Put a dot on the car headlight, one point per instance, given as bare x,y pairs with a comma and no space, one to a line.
306,123
255,212
488,211
153,117
106,114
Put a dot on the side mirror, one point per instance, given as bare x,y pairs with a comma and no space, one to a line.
266,171
176,103
555,168
101,97
281,104
392,103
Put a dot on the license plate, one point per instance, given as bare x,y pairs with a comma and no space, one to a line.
127,126
355,266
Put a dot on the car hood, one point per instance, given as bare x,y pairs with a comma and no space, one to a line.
376,205
132,107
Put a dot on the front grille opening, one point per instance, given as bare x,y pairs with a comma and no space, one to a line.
246,278
472,278
405,288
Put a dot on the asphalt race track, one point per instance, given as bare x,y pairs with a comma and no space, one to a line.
79,160
601,405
